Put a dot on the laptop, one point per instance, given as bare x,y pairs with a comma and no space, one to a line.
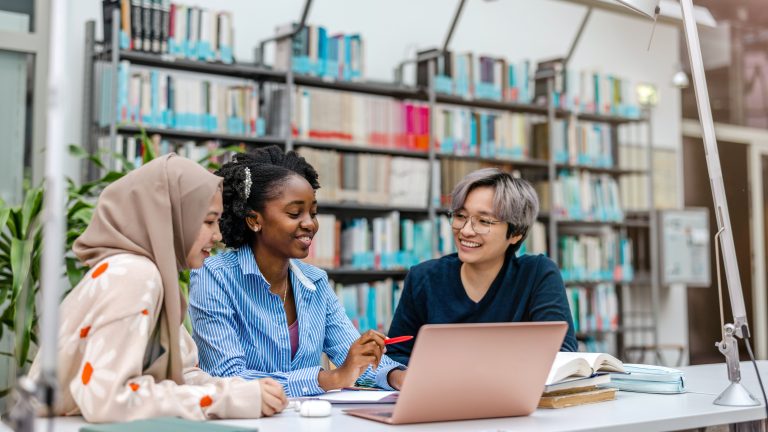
473,371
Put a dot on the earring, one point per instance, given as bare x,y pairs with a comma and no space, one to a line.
256,229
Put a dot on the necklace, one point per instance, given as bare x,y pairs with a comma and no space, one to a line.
285,291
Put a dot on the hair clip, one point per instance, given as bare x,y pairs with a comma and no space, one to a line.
246,191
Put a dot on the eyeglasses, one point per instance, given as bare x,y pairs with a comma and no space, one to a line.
479,224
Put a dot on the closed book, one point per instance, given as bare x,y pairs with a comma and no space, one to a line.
649,379
577,383
165,424
580,398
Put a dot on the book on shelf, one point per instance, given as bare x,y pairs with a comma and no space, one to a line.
370,305
575,143
569,365
315,52
360,120
470,75
580,195
160,98
594,257
129,151
594,309
585,396
379,243
482,133
370,178
163,27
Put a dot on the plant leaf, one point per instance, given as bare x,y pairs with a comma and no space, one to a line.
147,147
21,261
80,153
30,210
24,339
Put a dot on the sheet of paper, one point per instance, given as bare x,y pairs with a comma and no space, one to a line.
359,397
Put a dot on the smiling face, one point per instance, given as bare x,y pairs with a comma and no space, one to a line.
477,248
209,233
287,224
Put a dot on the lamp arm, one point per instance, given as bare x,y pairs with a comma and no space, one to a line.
715,171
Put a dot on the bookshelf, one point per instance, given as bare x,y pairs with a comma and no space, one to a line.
547,169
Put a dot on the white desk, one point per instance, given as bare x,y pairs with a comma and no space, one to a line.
629,412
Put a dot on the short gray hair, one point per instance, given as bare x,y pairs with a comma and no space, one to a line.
514,199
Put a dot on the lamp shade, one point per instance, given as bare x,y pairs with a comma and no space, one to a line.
645,7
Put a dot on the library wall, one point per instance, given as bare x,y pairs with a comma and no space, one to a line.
394,30
514,29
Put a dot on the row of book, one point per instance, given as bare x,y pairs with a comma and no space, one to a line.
370,306
369,178
476,76
593,91
471,75
381,243
131,150
575,142
313,51
606,256
376,121
159,98
582,195
594,309
483,133
163,27
581,143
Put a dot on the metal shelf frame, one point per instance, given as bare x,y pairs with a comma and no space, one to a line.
261,73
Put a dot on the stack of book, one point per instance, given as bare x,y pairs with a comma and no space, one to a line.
579,378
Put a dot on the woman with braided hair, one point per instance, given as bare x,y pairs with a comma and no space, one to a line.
257,311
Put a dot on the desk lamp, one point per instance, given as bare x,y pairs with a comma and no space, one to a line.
735,394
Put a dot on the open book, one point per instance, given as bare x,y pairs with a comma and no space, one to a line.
572,365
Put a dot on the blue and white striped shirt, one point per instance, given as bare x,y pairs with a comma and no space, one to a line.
241,330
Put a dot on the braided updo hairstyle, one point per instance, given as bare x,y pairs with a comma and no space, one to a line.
246,190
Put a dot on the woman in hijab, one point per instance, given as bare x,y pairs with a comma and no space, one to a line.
123,353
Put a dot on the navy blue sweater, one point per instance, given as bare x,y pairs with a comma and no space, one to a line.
527,288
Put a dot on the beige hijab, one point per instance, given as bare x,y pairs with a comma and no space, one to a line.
163,203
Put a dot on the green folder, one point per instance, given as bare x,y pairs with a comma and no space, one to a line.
169,424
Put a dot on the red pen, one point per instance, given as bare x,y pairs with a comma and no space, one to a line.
397,339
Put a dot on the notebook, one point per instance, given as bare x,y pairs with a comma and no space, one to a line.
359,396
505,364
649,379
165,424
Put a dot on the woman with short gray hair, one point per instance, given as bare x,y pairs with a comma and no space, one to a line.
485,281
